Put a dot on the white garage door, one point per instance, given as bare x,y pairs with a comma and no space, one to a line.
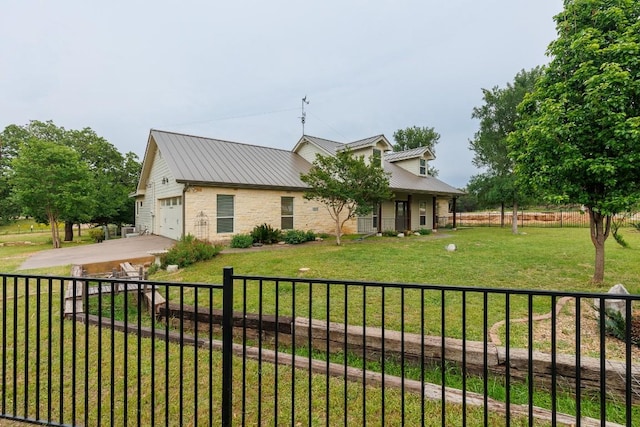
171,217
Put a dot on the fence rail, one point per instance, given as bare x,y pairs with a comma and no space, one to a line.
550,219
295,351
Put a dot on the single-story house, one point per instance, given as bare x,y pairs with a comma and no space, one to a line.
214,189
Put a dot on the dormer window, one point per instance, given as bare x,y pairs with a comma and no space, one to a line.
423,167
377,156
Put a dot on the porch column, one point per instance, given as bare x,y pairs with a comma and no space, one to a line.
408,225
455,199
435,217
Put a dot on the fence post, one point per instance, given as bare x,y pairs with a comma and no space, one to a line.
227,346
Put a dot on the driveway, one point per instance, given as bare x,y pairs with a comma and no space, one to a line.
109,250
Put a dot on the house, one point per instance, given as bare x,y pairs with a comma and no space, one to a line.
214,189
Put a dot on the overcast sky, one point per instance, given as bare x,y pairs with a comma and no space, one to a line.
237,70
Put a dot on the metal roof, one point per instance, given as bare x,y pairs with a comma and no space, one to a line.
193,159
403,180
396,156
207,161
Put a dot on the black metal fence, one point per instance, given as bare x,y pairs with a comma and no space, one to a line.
299,351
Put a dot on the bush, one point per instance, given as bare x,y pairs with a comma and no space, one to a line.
96,234
310,236
189,250
294,237
241,241
424,231
390,233
265,234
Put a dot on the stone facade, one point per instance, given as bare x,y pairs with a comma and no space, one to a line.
254,207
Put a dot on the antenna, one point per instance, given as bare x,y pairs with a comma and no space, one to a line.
304,115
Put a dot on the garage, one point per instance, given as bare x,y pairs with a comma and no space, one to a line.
171,217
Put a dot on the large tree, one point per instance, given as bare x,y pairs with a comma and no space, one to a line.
414,137
347,185
51,183
113,175
498,116
579,137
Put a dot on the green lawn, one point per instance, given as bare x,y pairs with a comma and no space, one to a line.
552,259
538,258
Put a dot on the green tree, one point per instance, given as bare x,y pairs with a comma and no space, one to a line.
414,137
51,183
9,138
498,116
579,136
347,185
113,176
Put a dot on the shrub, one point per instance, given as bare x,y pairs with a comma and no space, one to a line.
294,237
310,236
96,234
241,241
424,231
390,233
189,250
265,234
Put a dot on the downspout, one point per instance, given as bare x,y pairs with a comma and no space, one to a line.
184,208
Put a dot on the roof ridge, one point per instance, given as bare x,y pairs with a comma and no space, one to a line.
221,140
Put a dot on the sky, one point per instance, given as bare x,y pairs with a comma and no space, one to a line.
238,70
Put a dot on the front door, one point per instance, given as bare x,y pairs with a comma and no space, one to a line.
402,208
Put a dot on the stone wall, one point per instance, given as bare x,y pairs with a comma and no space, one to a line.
254,207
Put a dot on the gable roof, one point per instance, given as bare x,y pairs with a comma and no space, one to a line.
396,156
198,160
206,161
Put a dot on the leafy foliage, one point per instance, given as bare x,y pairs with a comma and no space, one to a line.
189,250
347,185
498,116
265,234
51,183
96,234
241,241
112,175
295,237
578,139
424,231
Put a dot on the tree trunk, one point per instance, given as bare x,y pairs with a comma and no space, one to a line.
502,214
514,218
55,235
338,230
68,231
79,228
599,225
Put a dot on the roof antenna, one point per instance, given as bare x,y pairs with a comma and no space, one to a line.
304,115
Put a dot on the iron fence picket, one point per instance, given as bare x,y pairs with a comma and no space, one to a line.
41,373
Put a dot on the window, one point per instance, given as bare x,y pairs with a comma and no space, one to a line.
225,213
377,157
375,216
423,213
423,167
286,213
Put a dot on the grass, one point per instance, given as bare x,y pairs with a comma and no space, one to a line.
552,259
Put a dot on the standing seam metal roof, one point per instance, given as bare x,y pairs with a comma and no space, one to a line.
207,161
211,161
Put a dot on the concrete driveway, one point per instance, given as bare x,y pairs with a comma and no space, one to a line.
109,250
